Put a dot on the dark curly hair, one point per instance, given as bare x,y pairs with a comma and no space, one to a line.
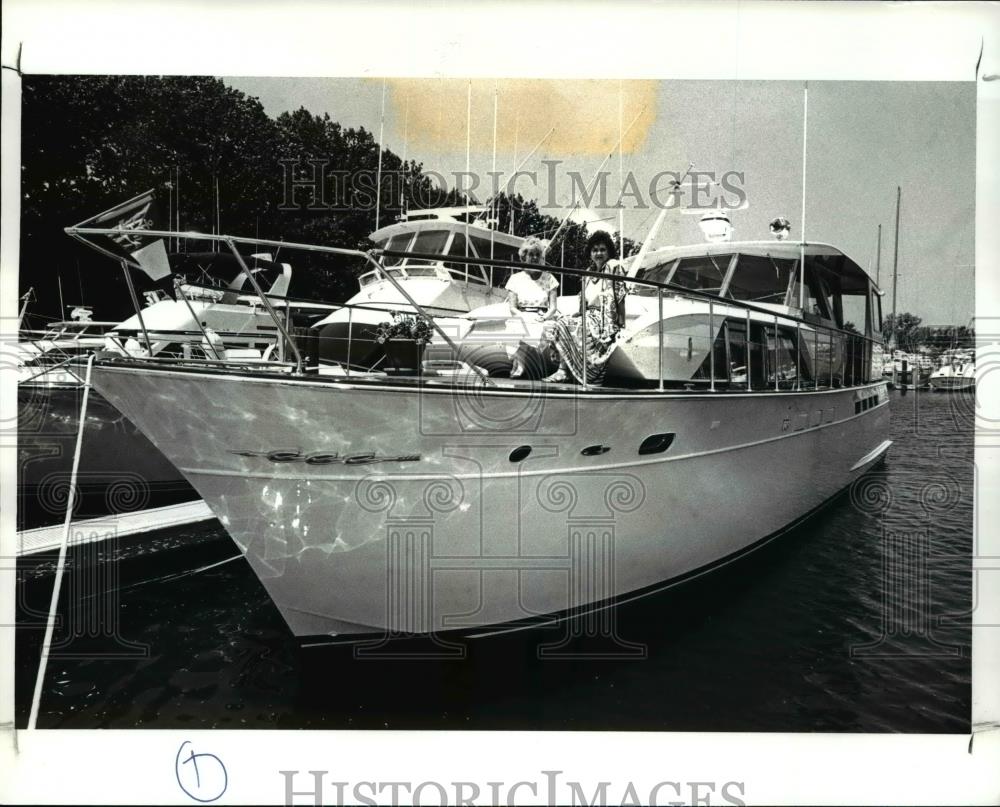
601,237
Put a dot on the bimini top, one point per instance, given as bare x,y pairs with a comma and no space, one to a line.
823,255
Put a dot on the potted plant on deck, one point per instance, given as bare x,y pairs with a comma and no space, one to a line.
403,341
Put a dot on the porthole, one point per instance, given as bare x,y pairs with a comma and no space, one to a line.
520,453
656,443
593,451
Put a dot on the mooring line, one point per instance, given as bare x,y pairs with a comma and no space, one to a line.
61,565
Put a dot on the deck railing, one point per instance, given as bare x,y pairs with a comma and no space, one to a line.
840,357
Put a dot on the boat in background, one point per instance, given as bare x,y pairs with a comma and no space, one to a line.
348,336
956,373
210,318
908,370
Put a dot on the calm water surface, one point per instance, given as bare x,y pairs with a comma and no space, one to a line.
859,620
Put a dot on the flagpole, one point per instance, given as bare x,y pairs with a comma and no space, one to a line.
138,310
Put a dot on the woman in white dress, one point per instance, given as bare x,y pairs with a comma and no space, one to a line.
531,292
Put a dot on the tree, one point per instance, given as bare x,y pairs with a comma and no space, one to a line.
90,142
901,330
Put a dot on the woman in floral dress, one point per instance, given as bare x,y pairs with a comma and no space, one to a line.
585,341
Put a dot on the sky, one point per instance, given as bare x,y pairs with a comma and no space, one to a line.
863,139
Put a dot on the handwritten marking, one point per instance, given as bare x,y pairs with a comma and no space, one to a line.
210,771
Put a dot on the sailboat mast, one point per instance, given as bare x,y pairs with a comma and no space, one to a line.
378,174
895,268
177,205
878,256
405,184
510,196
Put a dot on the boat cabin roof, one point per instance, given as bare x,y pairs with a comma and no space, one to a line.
443,238
826,255
445,225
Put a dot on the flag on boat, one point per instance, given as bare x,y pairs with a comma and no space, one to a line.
128,220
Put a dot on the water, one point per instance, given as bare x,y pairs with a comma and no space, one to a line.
859,620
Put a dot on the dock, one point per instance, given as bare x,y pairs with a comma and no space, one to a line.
48,539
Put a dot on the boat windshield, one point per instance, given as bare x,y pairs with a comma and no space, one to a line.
429,242
397,243
699,273
465,271
761,279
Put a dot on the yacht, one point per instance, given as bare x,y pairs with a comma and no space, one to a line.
378,505
957,372
908,370
424,278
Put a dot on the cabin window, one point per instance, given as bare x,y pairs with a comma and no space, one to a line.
816,300
761,279
464,271
397,243
657,274
500,274
483,247
701,273
430,242
854,312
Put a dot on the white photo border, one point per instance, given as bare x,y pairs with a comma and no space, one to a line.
751,40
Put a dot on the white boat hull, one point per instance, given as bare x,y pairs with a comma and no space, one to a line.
953,380
373,509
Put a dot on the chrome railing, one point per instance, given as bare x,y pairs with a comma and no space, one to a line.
844,365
